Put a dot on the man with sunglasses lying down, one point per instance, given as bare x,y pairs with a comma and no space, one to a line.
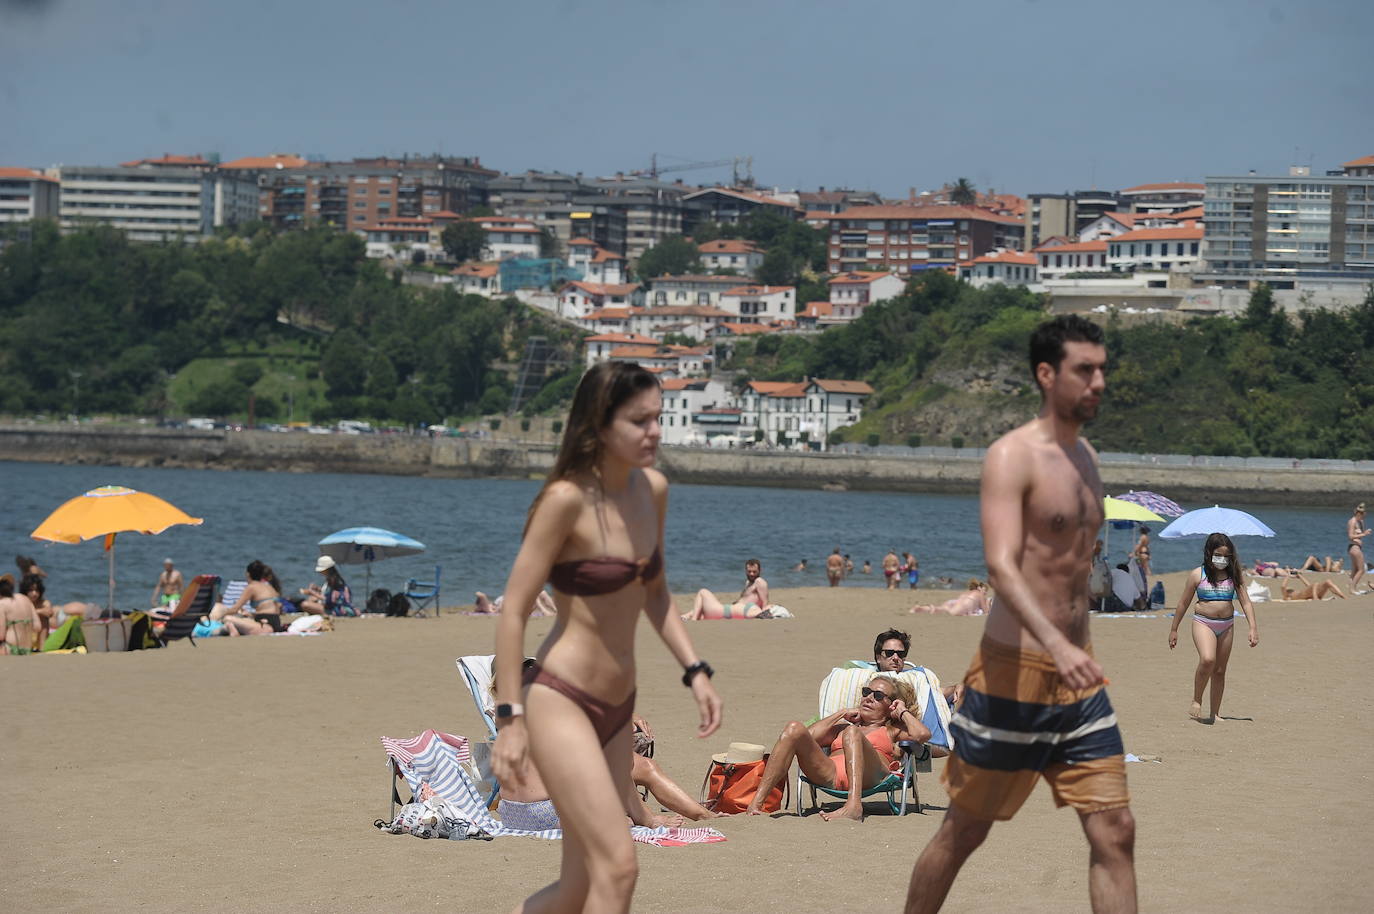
852,746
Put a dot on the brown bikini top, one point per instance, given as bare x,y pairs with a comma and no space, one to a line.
592,577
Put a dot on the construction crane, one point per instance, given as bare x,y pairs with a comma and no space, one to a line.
738,165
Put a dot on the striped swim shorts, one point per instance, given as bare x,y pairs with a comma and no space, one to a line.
1018,722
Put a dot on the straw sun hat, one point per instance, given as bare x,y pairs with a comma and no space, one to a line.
740,754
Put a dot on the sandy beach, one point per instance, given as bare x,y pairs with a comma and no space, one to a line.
244,774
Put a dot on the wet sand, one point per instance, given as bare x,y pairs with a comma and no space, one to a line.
244,774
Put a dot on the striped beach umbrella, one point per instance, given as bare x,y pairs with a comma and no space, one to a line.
1155,502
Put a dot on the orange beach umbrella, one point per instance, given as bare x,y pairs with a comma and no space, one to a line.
107,511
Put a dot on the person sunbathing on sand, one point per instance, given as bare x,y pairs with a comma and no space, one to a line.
1322,590
1273,570
1315,564
751,603
543,604
972,602
851,746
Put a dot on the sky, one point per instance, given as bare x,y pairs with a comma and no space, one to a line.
1025,96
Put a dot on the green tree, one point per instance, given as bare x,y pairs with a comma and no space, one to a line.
344,364
672,256
963,193
463,241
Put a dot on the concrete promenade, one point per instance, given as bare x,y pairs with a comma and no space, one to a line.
1331,483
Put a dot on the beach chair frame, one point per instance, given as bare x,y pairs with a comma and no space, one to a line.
196,600
423,593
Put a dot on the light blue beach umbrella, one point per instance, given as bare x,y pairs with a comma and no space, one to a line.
1216,519
365,545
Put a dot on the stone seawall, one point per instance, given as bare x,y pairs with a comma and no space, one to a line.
466,457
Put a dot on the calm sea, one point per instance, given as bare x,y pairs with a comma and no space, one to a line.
472,529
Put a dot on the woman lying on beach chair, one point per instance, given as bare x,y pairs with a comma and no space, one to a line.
852,750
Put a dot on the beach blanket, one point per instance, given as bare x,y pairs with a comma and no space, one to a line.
434,764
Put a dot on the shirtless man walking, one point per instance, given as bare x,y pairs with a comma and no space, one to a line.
1034,704
169,584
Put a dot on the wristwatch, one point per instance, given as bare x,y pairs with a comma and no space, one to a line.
505,711
701,666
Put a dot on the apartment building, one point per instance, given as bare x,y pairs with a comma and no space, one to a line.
653,209
852,292
596,264
26,195
154,202
1362,167
1009,268
685,419
1049,216
836,201
1167,249
689,289
694,321
789,412
1164,197
294,192
908,239
755,304
1283,230
1054,259
728,205
566,206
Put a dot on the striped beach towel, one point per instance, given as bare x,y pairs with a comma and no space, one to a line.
432,764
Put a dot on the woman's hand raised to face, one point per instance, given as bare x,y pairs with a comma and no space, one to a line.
896,710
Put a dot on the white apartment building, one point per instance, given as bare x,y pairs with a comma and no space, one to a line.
509,237
26,195
1078,257
695,321
400,238
1167,249
760,304
1163,197
598,346
579,299
784,410
477,279
851,292
684,420
689,289
155,203
1009,268
832,404
744,257
597,264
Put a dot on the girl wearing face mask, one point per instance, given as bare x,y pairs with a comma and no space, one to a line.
1218,586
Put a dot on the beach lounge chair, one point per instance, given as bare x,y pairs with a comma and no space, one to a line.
476,672
424,593
840,689
196,601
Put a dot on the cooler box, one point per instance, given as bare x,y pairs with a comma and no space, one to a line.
106,634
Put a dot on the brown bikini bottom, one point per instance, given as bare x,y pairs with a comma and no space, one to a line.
607,719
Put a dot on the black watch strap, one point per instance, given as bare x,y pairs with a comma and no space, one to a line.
701,666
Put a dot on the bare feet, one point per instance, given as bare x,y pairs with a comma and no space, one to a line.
845,812
483,603
1195,710
668,821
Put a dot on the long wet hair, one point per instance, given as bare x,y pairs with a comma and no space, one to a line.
1215,541
605,388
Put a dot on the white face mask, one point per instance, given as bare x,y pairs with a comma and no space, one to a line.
1220,561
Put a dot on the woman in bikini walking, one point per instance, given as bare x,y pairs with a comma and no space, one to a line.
595,532
1355,532
1218,586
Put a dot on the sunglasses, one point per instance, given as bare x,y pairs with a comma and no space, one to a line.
887,652
877,694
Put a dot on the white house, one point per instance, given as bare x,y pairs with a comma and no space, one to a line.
695,321
508,236
599,346
851,292
833,404
688,289
579,298
1108,225
685,419
1171,249
400,238
1075,257
477,279
744,257
760,304
597,264
1009,268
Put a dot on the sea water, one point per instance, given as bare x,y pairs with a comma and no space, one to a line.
472,530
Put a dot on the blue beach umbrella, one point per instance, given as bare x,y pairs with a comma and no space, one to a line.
365,545
1216,519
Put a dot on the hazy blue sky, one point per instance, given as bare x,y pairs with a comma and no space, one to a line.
1020,95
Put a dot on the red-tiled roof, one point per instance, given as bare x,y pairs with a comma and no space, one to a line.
637,352
445,214
513,229
842,387
595,288
778,388
683,383
1077,247
620,338
602,256
739,329
480,270
926,212
686,311
752,290
1007,257
25,174
168,159
1360,162
1195,213
728,246
1165,185
581,242
1173,233
816,309
819,215
610,314
859,277
273,161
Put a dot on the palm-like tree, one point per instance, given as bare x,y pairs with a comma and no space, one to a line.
964,193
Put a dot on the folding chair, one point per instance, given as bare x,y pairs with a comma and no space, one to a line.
423,593
840,689
196,601
476,673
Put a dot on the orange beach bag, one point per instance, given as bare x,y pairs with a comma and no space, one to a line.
729,787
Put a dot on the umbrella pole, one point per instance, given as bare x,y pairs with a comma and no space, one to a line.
109,602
